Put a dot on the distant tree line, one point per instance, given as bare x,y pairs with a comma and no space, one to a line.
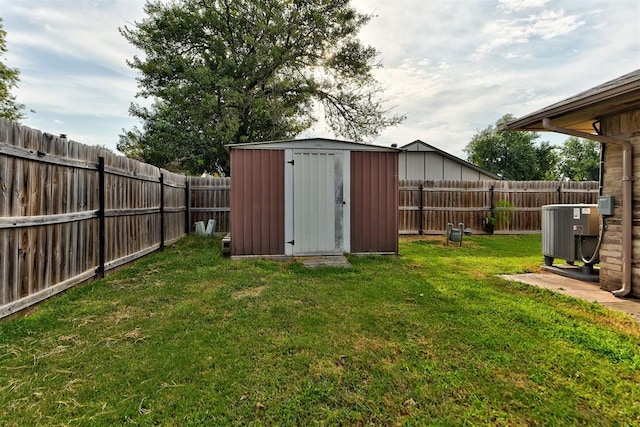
516,155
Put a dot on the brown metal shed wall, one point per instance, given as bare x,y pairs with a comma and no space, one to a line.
374,201
257,202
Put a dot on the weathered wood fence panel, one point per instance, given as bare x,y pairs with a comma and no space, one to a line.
47,215
70,212
426,207
211,199
175,206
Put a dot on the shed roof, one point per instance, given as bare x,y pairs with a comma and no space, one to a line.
421,146
580,111
312,143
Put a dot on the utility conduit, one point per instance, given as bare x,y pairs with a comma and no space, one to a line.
627,196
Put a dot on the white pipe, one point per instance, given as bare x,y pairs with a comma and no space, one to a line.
627,196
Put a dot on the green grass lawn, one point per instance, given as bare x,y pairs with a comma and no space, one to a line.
186,337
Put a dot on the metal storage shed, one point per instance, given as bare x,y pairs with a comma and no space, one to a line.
313,197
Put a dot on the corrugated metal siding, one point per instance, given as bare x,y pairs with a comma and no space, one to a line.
257,202
374,202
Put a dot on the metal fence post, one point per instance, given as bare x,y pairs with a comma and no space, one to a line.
492,205
421,209
101,217
161,211
187,203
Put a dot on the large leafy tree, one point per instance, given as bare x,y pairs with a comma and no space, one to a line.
217,72
514,155
547,158
9,108
580,160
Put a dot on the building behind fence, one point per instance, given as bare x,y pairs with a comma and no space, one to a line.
70,212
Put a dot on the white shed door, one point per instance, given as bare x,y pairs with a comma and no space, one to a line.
318,202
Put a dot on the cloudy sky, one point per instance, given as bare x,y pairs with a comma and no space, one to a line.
452,66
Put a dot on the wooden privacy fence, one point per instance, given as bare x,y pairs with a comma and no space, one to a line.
427,206
70,212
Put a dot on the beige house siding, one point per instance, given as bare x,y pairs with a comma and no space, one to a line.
421,161
627,126
431,166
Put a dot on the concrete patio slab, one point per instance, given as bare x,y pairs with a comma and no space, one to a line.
324,261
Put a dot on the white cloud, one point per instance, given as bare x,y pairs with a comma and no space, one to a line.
453,67
550,24
518,5
519,56
505,32
75,29
84,94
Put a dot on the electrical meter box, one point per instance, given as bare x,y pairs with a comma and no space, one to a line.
605,205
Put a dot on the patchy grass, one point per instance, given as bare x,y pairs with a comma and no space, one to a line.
430,337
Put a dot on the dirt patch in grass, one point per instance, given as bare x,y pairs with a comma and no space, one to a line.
328,368
442,240
430,238
378,345
127,313
249,292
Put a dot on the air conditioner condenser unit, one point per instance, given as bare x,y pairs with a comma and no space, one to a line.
569,232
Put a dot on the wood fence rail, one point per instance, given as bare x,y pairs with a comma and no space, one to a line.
426,207
70,212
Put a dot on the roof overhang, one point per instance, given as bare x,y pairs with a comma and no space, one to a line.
580,111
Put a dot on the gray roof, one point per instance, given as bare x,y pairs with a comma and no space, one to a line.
312,143
580,111
421,146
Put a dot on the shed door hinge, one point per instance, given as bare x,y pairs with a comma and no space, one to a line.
291,162
291,242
